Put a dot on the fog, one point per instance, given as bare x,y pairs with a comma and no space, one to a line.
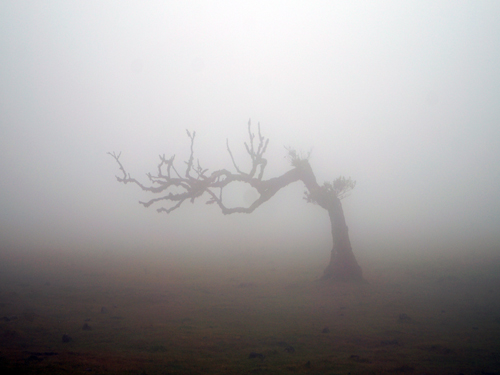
401,96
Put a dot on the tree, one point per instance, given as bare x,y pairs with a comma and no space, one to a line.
175,188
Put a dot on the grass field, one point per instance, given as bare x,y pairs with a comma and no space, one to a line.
247,315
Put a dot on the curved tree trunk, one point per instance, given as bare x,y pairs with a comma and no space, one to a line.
343,265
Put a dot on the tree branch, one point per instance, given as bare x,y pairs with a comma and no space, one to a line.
192,187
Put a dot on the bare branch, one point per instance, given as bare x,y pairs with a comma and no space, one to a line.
167,211
191,156
266,189
180,198
165,182
255,156
189,187
232,158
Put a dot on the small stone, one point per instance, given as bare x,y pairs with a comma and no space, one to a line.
246,285
403,317
390,342
66,338
86,327
325,330
256,355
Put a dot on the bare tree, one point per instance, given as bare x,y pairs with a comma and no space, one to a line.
174,188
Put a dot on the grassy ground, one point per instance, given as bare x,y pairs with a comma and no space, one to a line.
438,315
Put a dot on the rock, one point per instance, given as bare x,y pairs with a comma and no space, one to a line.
246,285
404,318
32,358
357,358
256,355
325,330
8,318
86,327
390,342
290,349
66,338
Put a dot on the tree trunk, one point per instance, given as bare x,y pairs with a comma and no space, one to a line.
343,265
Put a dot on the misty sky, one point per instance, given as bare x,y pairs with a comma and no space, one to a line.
403,96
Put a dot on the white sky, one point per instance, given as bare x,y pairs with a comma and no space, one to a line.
404,96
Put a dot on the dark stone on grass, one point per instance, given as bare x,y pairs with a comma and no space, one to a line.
104,310
157,349
440,350
390,342
494,356
447,279
44,353
325,330
10,334
66,338
246,285
485,372
33,358
5,319
254,355
30,316
308,364
357,358
290,349
402,369
86,327
404,317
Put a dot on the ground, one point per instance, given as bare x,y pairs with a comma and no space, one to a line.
248,315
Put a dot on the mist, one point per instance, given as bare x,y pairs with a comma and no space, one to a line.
401,96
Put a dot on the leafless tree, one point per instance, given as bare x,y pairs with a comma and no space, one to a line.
174,188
